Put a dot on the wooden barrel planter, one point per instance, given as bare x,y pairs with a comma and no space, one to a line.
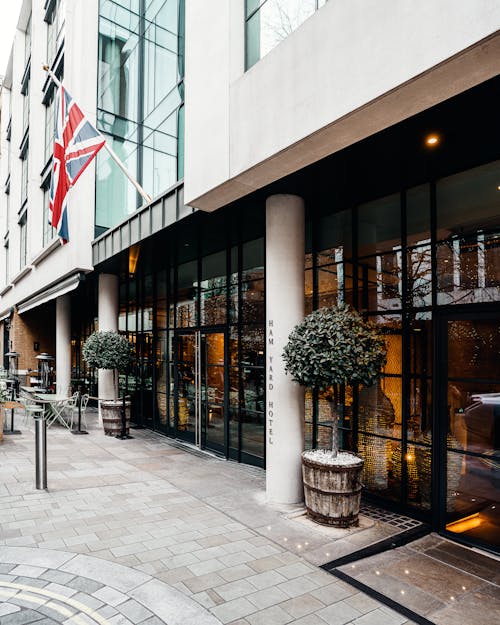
332,492
112,416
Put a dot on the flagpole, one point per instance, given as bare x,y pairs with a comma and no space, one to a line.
111,152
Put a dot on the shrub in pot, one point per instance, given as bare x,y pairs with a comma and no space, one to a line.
331,347
110,350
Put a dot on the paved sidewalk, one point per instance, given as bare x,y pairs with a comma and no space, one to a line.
140,531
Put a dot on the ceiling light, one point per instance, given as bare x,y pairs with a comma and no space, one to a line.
432,140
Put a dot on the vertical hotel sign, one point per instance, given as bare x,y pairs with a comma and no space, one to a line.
270,381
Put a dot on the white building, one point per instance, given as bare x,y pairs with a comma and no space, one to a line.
333,151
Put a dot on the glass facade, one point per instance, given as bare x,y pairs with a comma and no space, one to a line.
268,22
424,264
140,102
197,323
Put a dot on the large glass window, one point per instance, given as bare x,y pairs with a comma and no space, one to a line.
55,18
48,231
24,177
468,235
23,240
140,97
202,312
27,42
268,22
411,253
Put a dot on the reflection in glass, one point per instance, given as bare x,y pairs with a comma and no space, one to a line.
140,98
418,215
308,291
467,231
185,383
329,290
473,451
252,300
212,388
474,349
161,380
379,224
419,275
268,23
213,289
187,280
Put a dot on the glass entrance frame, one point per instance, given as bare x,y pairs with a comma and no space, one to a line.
405,260
201,389
211,281
468,433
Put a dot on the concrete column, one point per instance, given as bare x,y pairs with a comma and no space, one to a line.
63,345
108,301
285,248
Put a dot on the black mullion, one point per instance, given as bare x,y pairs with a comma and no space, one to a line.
315,303
140,99
434,281
405,356
439,429
240,374
153,350
169,337
174,340
226,344
355,388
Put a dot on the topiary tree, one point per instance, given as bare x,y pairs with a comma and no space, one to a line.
108,350
333,346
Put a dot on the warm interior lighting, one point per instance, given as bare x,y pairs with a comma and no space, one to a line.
432,140
465,524
133,257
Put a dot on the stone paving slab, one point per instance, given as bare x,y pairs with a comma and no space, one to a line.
31,598
139,531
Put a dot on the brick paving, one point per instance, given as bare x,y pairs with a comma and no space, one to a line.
140,531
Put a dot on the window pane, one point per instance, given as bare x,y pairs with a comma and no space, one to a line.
379,225
468,229
272,23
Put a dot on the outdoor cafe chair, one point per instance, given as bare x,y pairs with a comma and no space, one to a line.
74,409
31,409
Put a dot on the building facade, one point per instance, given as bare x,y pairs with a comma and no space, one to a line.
300,154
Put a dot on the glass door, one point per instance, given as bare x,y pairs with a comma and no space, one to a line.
212,392
200,389
470,401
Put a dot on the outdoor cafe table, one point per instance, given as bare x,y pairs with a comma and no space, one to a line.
55,405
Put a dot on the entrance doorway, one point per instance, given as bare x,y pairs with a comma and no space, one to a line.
470,428
200,397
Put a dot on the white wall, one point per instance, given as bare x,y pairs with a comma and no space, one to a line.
371,57
80,78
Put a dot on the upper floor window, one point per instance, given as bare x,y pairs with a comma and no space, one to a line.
268,22
24,177
48,231
49,100
23,239
54,16
26,104
27,42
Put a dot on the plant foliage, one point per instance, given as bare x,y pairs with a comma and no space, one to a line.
108,350
334,346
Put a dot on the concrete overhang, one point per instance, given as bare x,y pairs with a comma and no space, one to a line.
457,74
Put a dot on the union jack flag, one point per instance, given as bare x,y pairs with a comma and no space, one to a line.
76,142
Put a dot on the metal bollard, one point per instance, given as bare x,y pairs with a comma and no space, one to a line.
41,452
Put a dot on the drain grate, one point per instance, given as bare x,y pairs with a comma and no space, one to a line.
392,518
